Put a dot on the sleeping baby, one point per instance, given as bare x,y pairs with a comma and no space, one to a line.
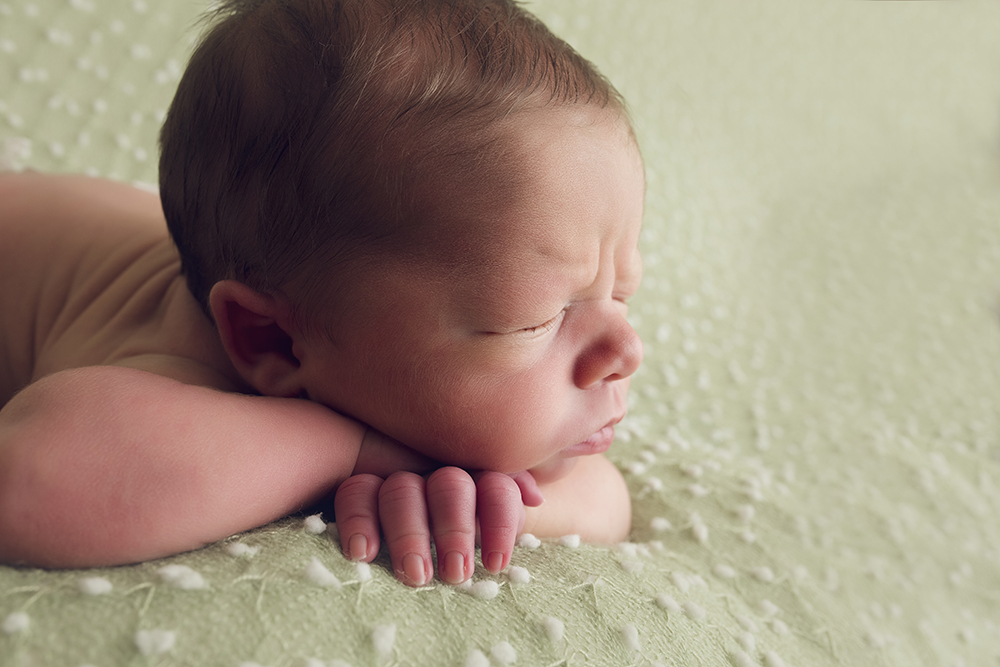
389,265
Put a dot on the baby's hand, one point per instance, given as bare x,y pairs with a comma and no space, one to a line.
449,503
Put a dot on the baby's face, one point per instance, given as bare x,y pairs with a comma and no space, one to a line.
510,349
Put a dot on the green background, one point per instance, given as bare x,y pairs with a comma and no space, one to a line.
813,445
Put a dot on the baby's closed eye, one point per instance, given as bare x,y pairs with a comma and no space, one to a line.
548,325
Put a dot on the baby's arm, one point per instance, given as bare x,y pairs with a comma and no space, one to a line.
108,465
592,501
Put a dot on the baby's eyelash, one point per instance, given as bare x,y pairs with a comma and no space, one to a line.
545,326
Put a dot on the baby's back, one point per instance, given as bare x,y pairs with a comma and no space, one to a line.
88,276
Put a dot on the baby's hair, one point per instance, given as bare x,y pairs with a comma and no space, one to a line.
302,130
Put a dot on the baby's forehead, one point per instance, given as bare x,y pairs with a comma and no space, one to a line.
508,155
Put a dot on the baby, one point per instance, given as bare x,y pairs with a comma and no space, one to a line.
402,235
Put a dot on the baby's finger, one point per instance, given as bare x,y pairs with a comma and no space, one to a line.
451,500
355,506
501,517
403,511
531,495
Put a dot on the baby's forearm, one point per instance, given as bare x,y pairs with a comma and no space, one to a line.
592,501
104,465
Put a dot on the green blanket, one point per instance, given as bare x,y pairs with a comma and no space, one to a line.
813,444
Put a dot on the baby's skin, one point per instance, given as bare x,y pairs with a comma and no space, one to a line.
449,395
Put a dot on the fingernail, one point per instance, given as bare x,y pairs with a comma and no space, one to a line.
413,568
358,547
454,567
494,562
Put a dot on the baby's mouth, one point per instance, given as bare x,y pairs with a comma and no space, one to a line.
598,443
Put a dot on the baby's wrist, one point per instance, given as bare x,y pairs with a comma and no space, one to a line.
380,455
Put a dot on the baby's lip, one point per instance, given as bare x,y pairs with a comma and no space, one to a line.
598,443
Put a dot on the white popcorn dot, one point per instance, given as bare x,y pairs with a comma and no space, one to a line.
155,642
632,566
141,52
476,658
94,585
724,571
571,541
747,641
740,658
383,638
692,470
503,653
484,590
660,524
518,574
182,577
664,601
768,608
694,611
17,621
239,549
772,659
555,629
317,573
698,490
654,484
314,524
637,468
528,541
630,635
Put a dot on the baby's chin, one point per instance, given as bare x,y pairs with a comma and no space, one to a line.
554,469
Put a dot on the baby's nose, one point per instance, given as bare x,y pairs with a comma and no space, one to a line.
614,354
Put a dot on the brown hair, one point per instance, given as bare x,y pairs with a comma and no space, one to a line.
302,128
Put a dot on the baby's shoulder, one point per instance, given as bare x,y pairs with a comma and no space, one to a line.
87,271
55,227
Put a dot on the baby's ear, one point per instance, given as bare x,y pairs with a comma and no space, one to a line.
256,334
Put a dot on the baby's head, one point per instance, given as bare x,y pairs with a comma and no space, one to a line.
423,214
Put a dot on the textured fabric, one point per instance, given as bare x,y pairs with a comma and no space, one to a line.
813,446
